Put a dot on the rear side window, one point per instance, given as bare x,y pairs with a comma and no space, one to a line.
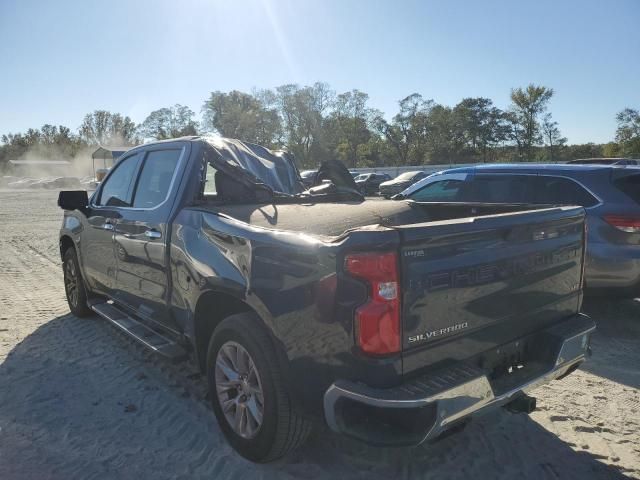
500,189
117,190
155,178
442,191
630,186
563,191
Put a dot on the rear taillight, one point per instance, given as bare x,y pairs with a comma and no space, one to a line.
624,223
378,320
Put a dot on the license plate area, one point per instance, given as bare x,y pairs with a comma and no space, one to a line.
517,362
505,359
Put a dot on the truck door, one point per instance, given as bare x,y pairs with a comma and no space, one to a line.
97,247
141,235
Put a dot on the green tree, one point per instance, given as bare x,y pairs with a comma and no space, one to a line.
586,150
303,112
552,136
446,139
483,124
169,122
408,131
611,149
526,107
243,116
348,126
49,142
102,127
628,132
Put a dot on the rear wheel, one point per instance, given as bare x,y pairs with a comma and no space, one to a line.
74,285
249,398
239,389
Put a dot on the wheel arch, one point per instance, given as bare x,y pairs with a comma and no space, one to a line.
212,308
66,242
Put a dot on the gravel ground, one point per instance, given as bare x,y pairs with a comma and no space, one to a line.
79,400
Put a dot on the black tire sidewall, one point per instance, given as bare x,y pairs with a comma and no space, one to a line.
258,448
81,308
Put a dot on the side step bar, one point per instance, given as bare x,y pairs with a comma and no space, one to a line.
140,332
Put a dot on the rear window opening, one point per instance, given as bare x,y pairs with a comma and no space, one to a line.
630,186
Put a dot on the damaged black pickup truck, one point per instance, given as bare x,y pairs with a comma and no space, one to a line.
392,322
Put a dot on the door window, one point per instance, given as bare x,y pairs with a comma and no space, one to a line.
442,191
117,190
155,179
563,191
500,189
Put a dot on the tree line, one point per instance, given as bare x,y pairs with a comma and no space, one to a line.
315,124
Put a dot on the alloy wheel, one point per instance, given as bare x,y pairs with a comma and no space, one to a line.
239,389
71,282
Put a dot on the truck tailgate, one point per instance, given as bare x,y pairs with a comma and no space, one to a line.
475,283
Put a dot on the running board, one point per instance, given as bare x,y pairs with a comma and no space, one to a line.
140,332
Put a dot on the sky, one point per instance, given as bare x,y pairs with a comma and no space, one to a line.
62,59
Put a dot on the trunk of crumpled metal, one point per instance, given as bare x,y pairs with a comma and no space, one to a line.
275,169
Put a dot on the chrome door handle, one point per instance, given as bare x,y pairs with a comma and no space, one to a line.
152,234
107,226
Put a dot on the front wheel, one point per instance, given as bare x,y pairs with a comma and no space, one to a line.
249,397
74,285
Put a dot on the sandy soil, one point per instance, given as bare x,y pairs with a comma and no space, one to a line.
79,400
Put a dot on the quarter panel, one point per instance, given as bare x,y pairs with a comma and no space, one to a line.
294,282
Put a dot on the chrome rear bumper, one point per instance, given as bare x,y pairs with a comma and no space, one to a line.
425,407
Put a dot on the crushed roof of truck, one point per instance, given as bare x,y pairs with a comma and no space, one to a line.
274,168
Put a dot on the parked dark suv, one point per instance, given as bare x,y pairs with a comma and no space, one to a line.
609,194
369,183
308,177
400,183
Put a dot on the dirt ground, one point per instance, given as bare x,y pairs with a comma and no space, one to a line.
79,400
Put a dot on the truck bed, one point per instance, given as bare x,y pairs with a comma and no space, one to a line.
334,219
472,275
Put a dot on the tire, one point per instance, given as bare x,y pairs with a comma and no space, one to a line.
282,429
74,284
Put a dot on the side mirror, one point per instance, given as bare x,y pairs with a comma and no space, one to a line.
73,199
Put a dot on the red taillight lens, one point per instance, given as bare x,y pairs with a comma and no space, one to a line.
378,320
624,223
